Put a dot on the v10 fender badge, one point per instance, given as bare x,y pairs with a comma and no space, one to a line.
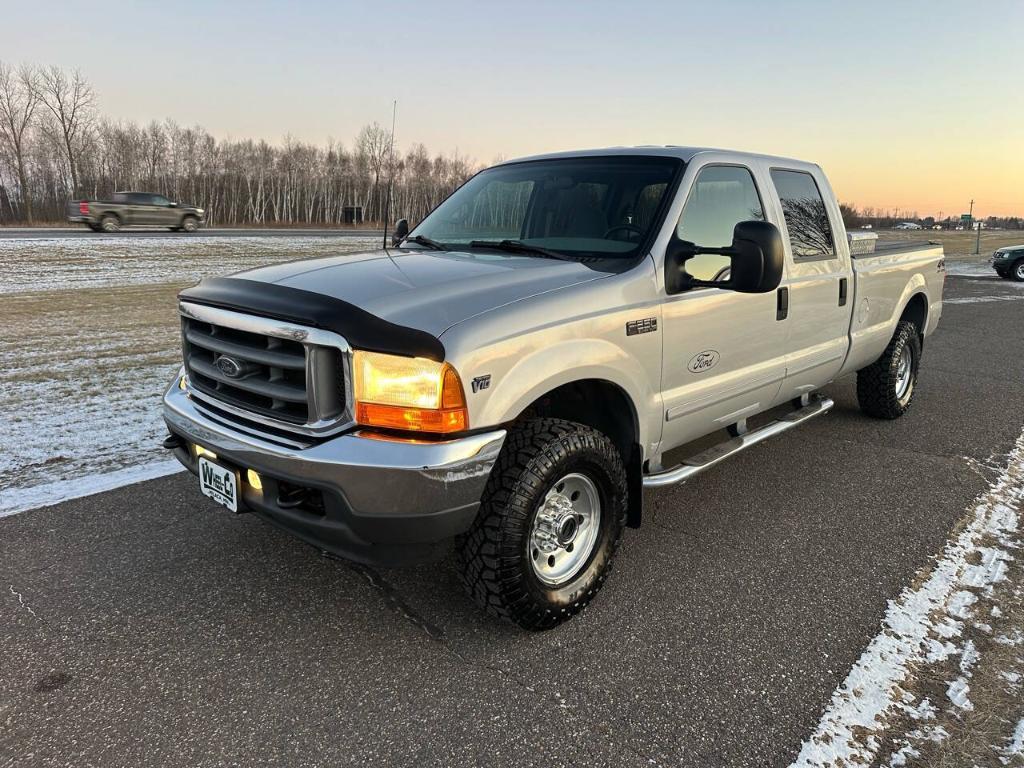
481,382
703,361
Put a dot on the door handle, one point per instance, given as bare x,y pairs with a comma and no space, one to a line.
782,304
842,291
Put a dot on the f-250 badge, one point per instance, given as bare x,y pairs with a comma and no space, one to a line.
703,361
647,325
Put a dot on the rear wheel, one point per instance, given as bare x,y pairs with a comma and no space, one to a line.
190,224
549,523
885,388
110,223
1017,271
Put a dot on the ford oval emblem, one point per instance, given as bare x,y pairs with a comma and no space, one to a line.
703,361
229,366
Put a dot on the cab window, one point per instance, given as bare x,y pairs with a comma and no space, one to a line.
721,197
810,232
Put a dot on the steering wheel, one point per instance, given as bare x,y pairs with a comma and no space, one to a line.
633,228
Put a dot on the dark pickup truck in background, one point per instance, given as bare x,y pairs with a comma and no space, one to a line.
135,208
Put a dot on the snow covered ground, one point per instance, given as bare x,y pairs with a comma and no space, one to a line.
88,342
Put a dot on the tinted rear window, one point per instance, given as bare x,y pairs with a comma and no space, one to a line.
810,232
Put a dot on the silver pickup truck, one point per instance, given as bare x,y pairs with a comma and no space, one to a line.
511,374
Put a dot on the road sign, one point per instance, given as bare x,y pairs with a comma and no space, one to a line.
965,217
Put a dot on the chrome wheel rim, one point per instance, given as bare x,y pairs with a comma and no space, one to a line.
190,225
903,373
1020,271
565,529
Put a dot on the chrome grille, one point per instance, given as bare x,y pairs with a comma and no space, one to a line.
288,376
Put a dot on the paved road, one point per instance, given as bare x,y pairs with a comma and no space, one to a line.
36,233
145,627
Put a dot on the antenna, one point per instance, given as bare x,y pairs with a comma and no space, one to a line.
391,177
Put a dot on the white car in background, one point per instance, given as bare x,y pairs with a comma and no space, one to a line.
907,225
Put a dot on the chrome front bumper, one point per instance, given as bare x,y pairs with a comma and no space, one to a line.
385,501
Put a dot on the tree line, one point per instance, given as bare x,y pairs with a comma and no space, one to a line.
856,218
56,146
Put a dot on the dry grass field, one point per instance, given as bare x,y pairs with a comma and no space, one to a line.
958,246
89,339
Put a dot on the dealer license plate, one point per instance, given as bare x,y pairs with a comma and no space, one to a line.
218,483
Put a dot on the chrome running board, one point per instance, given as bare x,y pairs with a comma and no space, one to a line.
708,458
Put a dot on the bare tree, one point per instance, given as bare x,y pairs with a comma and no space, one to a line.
18,101
71,101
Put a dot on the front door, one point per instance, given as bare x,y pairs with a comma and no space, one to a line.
724,352
820,294
163,212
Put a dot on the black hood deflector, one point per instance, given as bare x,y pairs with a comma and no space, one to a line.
362,329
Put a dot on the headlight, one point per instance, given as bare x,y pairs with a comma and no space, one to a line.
410,393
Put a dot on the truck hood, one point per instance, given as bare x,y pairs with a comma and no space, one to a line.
428,290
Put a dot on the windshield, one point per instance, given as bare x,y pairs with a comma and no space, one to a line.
578,207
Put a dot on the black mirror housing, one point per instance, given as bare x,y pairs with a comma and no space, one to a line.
756,257
759,258
400,233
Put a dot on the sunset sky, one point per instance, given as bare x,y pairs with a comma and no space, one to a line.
915,105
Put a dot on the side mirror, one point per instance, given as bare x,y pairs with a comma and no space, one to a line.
400,233
756,259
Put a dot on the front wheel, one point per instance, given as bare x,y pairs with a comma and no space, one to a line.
1017,271
549,523
886,387
190,224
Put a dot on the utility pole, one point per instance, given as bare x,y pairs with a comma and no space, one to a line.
977,243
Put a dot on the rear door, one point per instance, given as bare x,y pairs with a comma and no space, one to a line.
724,352
141,209
820,293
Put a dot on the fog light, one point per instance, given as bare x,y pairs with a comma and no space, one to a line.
181,382
254,480
200,451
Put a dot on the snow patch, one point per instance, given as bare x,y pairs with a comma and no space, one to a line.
1016,746
15,500
917,628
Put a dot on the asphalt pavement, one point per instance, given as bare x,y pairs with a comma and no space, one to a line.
49,233
147,627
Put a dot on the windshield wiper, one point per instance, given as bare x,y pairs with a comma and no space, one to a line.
426,242
517,246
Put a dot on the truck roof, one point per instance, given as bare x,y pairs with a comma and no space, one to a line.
669,150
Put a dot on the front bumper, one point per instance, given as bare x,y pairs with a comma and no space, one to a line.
372,500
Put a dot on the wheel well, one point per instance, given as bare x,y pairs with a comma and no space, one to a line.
607,408
916,312
111,214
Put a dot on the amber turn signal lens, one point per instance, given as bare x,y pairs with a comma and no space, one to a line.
412,419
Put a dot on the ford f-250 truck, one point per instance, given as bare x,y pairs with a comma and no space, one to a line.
512,373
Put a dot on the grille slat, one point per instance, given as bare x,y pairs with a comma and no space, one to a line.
270,388
270,357
281,377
